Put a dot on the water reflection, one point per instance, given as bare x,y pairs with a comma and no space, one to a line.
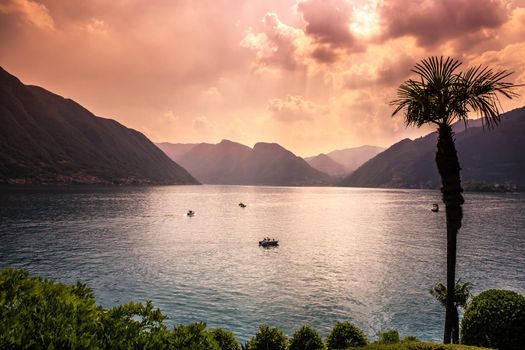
365,255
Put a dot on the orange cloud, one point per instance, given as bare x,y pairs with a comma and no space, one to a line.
328,22
294,108
183,71
278,45
31,12
432,22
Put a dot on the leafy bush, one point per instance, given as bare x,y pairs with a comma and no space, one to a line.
345,335
268,338
410,338
495,318
193,336
132,325
389,337
226,339
306,338
36,313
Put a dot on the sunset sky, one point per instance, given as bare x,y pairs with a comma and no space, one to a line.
312,75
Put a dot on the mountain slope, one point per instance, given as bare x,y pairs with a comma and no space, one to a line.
232,163
486,156
327,165
45,138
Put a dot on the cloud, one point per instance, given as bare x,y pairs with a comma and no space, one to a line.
295,108
278,45
169,117
31,12
184,70
510,59
380,70
203,126
324,54
328,22
433,22
96,26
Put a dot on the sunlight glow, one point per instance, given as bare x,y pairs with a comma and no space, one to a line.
365,22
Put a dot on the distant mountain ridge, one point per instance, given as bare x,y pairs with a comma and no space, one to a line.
45,138
486,156
231,163
353,158
324,163
343,161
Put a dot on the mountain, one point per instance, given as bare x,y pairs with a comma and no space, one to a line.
271,164
486,157
327,165
216,164
45,138
232,163
353,158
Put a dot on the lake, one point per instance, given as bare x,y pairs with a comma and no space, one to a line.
369,256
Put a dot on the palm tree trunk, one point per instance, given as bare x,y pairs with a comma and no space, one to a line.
455,329
448,167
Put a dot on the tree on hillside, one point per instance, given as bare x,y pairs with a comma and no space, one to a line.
441,95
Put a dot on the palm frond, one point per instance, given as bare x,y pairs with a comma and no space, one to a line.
481,89
462,293
442,95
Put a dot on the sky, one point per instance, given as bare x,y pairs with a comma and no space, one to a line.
311,75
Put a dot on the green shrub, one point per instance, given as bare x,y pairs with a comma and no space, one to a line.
268,338
38,313
133,325
193,336
410,338
306,338
495,318
226,339
345,335
389,337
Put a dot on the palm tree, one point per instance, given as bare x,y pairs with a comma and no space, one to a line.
441,96
462,296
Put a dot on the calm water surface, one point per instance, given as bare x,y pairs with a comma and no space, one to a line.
365,255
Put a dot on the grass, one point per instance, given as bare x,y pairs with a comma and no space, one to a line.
416,345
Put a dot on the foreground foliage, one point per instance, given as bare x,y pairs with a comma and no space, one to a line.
37,313
306,338
415,345
495,318
389,337
226,339
268,338
345,335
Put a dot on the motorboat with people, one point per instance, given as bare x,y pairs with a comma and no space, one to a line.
242,205
268,242
190,213
435,208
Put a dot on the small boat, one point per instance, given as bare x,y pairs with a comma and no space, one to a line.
268,242
190,213
435,208
242,205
